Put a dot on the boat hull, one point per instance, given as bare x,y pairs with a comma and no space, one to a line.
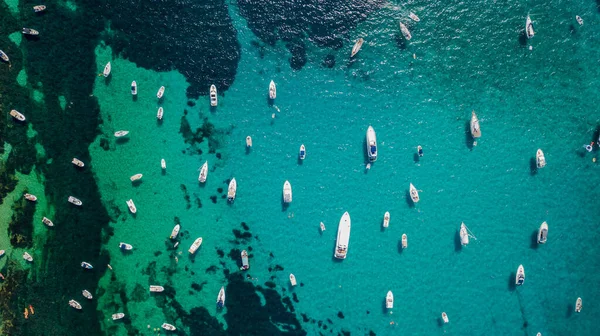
543,233
371,144
343,237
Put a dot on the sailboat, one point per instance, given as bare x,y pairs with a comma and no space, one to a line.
529,28
203,172
357,46
464,235
221,298
414,194
107,69
475,130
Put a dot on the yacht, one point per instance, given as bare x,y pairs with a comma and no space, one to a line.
420,150
156,289
74,304
120,134
543,233
322,226
39,8
159,113
357,46
343,237
579,20
136,177
47,221
302,152
78,162
134,88
245,264
86,265
389,300
287,192
371,144
175,231
221,298
464,234
117,316
203,172
160,92
404,241
292,279
17,115
27,257
131,206
195,245
272,90
475,130
248,141
87,294
414,17
107,69
163,164
414,194
29,31
529,28
445,317
386,219
4,56
540,159
125,246
231,190
213,95
578,305
30,197
405,31
520,278
167,326
75,201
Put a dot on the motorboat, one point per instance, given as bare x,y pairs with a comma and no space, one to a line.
343,237
542,233
248,141
156,289
161,92
287,192
272,90
39,8
529,28
30,197
520,278
389,300
231,190
27,257
414,194
86,294
579,20
17,115
2,252
213,95
420,150
86,265
221,298
47,221
464,234
475,130
357,46
29,31
4,56
404,241
159,113
134,88
195,245
131,206
107,69
74,304
386,219
120,134
302,152
371,144
203,172
405,32
136,177
78,162
292,279
163,164
414,17
117,316
175,231
578,305
322,226
245,264
168,327
125,246
540,159
445,317
75,201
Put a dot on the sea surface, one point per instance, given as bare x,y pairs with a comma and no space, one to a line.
464,56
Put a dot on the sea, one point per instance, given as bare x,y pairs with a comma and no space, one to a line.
464,56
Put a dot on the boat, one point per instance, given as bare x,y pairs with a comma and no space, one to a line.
75,201
156,289
203,172
445,317
78,162
30,197
245,264
160,92
540,159
389,300
39,8
414,194
2,252
231,190
136,177
343,237
86,265
529,28
87,294
107,69
272,90
538,334
134,88
175,231
221,298
405,32
195,245
27,257
404,241
368,166
464,234
29,31
578,305
414,17
159,114
17,115
131,206
213,95
543,233
117,316
47,221
125,246
167,326
287,192
302,152
322,226
4,56
248,141
371,144
579,20
292,279
420,150
163,164
520,278
386,219
120,134
74,304
475,130
357,46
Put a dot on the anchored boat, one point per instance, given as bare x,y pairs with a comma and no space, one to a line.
134,88
287,192
543,233
475,130
117,316
540,159
159,113
213,95
371,144
136,177
131,206
168,327
17,115
292,279
203,172
175,231
520,278
107,69
232,190
529,28
357,46
245,264
77,162
386,219
120,134
75,304
86,265
302,152
578,305
161,92
221,298
464,235
414,193
405,32
156,289
87,294
404,241
47,221
272,90
74,200
195,245
29,31
343,237
389,300
125,246
445,317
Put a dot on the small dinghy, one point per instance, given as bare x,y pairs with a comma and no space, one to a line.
475,130
357,46
405,32
540,159
579,20
39,8
221,298
27,257
175,231
131,206
386,219
529,28
167,326
136,177
86,265
232,190
17,115
47,221
543,233
159,114
107,69
464,234
520,278
30,197
414,17
134,88
404,241
389,300
156,289
163,164
213,96
74,200
120,134
245,264
4,56
414,194
322,226
203,172
160,92
292,279
125,246
287,192
117,316
29,31
578,305
74,304
78,162
195,245
445,317
272,90
248,141
420,150
302,152
86,294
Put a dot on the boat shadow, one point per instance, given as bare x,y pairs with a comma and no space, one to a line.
270,101
400,249
107,80
533,169
300,161
134,98
122,140
248,150
534,244
159,122
440,322
457,243
136,183
284,205
31,37
400,41
596,136
522,38
511,282
384,309
213,109
408,199
570,310
469,141
416,157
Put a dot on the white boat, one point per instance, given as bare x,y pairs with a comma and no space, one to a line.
248,141
27,257
159,114
464,234
529,28
520,278
292,279
245,264
167,326
134,88
17,115
4,56
156,289
538,334
106,71
47,221
221,298
389,300
2,252
445,317
579,20
414,194
39,8
386,219
163,164
540,159
86,265
195,245
405,32
29,31
160,92
371,144
287,192
475,130
203,172
578,305
414,17
213,95
125,246
302,152
404,241
357,46
87,294
30,197
543,233
272,90
322,226
420,150
343,237
78,162
74,304
231,190
136,177
75,201
131,206
175,231
117,316
120,134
